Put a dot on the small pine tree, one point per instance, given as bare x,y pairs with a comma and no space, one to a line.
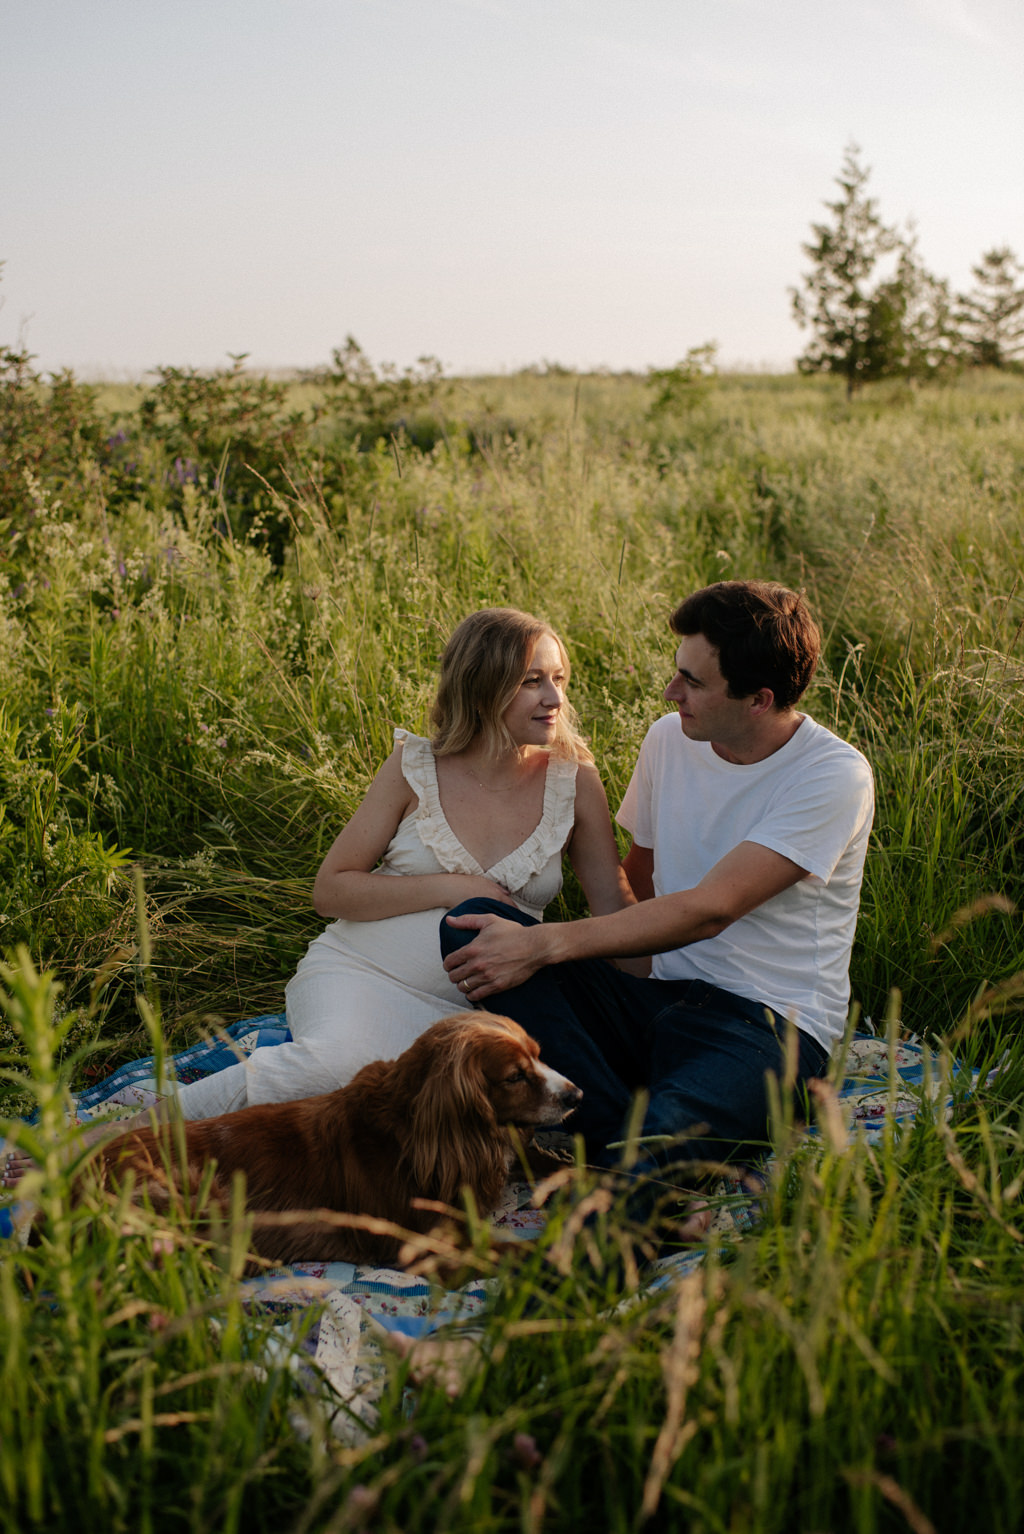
923,338
992,314
849,311
870,319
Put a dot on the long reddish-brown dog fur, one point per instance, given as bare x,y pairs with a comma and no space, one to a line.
426,1126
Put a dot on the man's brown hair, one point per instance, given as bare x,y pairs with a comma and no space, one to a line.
764,634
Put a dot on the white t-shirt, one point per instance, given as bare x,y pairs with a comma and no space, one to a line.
813,802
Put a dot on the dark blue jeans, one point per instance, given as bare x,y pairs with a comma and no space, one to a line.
701,1053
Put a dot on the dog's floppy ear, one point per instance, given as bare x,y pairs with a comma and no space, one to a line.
453,1138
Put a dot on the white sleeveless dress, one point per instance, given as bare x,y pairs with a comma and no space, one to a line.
364,990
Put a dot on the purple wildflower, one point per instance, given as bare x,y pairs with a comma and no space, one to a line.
524,1449
185,471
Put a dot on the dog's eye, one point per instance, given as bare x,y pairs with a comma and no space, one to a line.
519,1075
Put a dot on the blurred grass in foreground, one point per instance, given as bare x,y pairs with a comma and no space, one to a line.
211,703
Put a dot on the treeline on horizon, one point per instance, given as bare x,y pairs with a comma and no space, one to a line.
874,310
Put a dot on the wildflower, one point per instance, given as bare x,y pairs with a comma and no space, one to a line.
361,1501
418,1446
185,471
524,1449
222,742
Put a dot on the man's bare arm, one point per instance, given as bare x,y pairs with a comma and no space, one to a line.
504,954
639,868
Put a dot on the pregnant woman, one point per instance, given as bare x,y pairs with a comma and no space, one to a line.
485,807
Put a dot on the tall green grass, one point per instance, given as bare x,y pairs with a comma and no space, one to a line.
186,694
216,706
854,1362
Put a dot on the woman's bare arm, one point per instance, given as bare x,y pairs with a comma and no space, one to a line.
592,850
346,884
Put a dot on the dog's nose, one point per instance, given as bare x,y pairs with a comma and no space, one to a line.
571,1095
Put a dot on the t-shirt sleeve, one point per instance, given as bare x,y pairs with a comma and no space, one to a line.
816,819
634,813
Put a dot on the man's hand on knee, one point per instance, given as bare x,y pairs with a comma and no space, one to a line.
502,955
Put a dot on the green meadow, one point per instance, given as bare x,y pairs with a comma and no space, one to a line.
220,596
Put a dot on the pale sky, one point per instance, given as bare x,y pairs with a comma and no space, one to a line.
493,182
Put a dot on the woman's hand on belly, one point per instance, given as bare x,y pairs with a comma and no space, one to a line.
482,889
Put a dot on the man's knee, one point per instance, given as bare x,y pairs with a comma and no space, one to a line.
454,938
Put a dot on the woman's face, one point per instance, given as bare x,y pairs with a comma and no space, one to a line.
532,715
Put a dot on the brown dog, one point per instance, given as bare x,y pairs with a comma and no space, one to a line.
425,1126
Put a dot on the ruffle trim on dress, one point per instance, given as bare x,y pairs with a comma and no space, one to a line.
516,868
420,772
552,832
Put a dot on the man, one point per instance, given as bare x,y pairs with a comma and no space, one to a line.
750,823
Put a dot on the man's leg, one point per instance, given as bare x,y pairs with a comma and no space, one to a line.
590,1020
710,1057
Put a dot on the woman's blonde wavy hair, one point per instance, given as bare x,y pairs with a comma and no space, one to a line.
482,669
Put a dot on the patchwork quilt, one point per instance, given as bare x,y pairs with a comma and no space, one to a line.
884,1082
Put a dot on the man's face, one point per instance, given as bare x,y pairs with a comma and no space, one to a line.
700,693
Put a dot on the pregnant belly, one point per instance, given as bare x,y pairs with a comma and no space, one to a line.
400,951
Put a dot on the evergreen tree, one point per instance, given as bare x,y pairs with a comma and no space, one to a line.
992,314
870,318
922,337
849,311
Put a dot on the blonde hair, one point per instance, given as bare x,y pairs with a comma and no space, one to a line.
482,669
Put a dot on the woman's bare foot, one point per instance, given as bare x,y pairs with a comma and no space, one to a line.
18,1163
15,1165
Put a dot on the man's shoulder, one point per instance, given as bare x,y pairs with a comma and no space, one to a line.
815,741
665,749
826,766
662,731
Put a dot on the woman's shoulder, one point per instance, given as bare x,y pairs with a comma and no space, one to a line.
414,756
588,779
412,748
561,792
409,740
590,792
